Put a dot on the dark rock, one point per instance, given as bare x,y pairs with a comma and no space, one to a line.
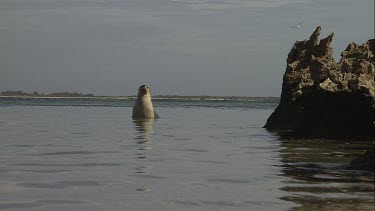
324,99
365,161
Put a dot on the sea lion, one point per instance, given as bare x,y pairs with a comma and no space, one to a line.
143,108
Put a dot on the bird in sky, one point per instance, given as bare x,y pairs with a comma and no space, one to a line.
298,25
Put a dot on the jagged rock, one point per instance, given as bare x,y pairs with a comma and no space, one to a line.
324,99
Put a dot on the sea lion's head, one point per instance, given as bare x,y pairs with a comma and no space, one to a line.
143,90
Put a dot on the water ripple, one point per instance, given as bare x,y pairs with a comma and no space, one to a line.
60,184
38,203
67,164
231,181
74,153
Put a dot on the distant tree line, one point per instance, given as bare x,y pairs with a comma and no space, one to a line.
37,94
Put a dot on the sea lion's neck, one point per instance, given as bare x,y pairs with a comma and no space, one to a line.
144,98
146,109
145,102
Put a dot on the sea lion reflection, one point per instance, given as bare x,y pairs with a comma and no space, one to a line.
144,128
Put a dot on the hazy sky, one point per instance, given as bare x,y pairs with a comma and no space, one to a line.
182,47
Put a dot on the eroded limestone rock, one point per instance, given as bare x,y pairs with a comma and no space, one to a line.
325,99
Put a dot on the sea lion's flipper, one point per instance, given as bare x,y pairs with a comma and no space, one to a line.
156,116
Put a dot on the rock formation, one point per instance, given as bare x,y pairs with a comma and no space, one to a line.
324,99
365,161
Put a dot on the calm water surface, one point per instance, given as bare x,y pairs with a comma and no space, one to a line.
203,154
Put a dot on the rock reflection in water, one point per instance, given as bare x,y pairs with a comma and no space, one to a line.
318,177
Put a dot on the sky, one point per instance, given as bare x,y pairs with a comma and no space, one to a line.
177,47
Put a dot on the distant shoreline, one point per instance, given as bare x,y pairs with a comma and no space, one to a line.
37,94
156,97
21,94
62,97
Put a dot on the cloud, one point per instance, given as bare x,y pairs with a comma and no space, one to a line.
110,46
227,4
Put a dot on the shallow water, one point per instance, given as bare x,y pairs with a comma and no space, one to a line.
75,157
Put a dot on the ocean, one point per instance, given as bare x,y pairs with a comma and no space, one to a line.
204,153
